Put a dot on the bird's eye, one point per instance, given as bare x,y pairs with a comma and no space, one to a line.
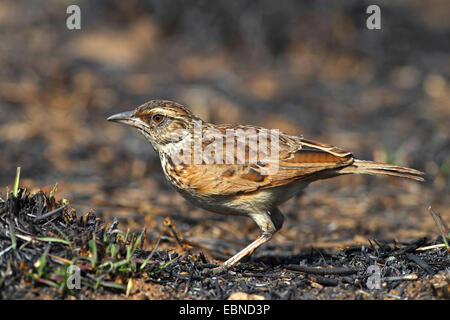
157,118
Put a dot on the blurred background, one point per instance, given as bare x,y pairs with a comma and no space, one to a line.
304,67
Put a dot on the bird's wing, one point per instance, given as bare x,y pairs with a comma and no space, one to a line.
295,159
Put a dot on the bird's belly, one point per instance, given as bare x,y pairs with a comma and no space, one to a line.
244,203
218,204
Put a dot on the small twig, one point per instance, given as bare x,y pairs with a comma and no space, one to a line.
25,237
390,295
12,234
364,293
421,263
323,281
439,245
60,259
410,276
168,223
50,213
6,250
319,270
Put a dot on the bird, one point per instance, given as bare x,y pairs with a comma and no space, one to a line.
242,170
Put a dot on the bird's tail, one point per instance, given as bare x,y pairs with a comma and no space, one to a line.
370,167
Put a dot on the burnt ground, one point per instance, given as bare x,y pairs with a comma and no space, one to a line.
42,238
305,68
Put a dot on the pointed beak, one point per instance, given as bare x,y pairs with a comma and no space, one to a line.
123,117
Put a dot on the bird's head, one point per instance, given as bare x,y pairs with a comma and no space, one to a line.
162,122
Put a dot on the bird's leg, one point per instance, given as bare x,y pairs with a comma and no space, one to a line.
269,222
247,250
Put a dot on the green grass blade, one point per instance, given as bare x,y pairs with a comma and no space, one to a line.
53,191
146,261
16,182
113,285
51,239
93,246
42,263
441,225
